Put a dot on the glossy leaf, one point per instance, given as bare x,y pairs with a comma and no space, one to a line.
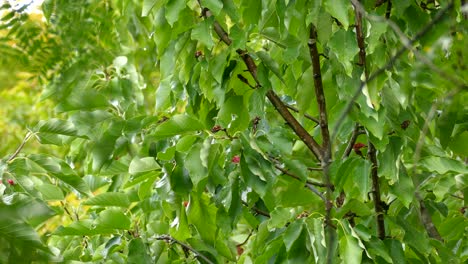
109,199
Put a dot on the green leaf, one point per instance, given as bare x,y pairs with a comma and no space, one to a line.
215,6
454,228
361,178
233,115
163,94
143,165
289,192
459,144
173,9
339,10
279,217
404,188
292,233
194,165
305,91
374,125
202,33
138,252
109,199
19,231
350,251
83,100
113,219
104,147
202,214
377,248
147,6
443,165
60,170
395,250
50,192
55,131
271,64
56,126
112,244
178,175
178,124
344,45
81,228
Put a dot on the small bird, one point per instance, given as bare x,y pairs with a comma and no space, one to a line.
357,148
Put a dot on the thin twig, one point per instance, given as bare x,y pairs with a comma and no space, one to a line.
456,196
256,210
66,210
286,172
20,147
305,114
170,239
309,185
247,239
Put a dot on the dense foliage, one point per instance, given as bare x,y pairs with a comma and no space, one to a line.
221,131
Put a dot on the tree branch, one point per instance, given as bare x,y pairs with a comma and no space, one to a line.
326,142
171,240
308,140
20,147
427,220
372,152
320,96
294,124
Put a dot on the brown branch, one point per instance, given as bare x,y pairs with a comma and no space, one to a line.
308,140
389,9
256,210
171,240
372,154
427,220
379,2
320,96
294,124
326,142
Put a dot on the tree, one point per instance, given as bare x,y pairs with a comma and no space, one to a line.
221,131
